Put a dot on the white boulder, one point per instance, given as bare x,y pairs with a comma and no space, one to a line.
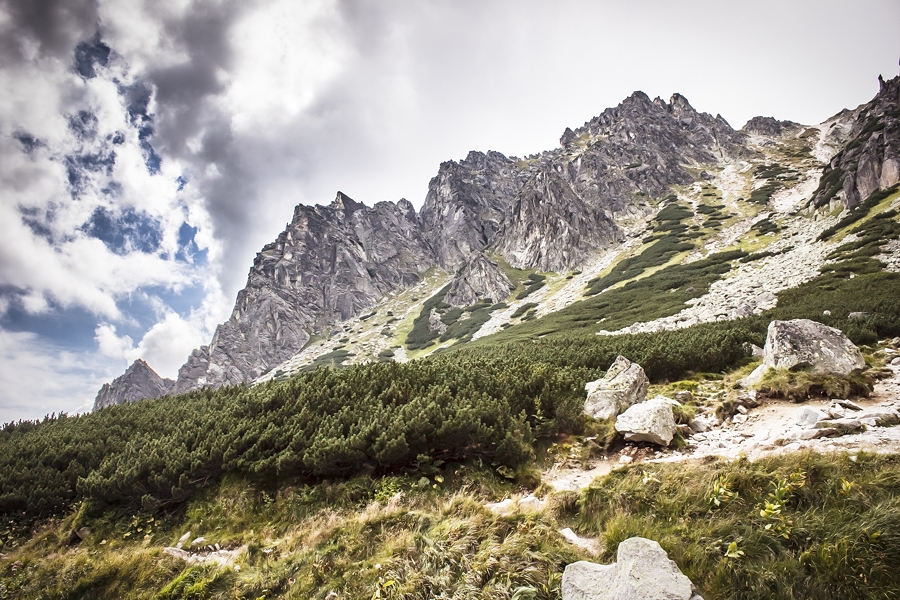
801,343
642,571
624,384
650,421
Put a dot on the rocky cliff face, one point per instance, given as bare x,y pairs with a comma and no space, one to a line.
479,278
329,264
550,212
138,382
870,161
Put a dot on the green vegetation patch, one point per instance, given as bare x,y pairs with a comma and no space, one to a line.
860,211
669,239
534,282
798,526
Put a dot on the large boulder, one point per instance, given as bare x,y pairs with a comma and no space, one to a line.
624,384
801,343
642,571
651,421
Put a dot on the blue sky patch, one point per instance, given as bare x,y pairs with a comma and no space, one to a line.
88,55
128,231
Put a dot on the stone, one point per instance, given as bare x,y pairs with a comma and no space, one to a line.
739,418
702,424
623,385
807,416
625,459
801,343
649,421
642,571
530,503
844,426
684,396
858,315
138,382
895,361
589,544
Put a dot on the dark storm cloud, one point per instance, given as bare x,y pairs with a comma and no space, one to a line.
57,25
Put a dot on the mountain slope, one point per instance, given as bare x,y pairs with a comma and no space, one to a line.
643,187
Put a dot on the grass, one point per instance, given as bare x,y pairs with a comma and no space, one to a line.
801,385
799,526
836,535
860,211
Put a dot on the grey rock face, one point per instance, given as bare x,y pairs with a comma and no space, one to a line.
479,278
642,571
138,382
465,204
650,421
623,385
551,228
870,161
329,264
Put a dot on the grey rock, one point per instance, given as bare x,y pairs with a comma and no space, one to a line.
844,426
650,421
807,416
895,361
478,278
702,424
801,343
138,382
858,315
642,571
684,396
624,384
550,227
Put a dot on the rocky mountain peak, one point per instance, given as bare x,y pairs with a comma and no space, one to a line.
138,382
345,203
768,126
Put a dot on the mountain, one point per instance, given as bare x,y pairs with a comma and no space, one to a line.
137,382
501,240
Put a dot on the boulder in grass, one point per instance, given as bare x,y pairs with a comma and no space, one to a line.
805,344
642,571
624,384
650,421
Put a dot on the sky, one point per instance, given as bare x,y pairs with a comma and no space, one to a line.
149,148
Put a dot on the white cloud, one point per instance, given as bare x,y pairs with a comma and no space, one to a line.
38,378
112,345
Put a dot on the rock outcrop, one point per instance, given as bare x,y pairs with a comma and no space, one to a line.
138,382
870,161
642,571
649,421
623,385
478,278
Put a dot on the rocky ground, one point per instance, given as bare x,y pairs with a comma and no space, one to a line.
771,428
